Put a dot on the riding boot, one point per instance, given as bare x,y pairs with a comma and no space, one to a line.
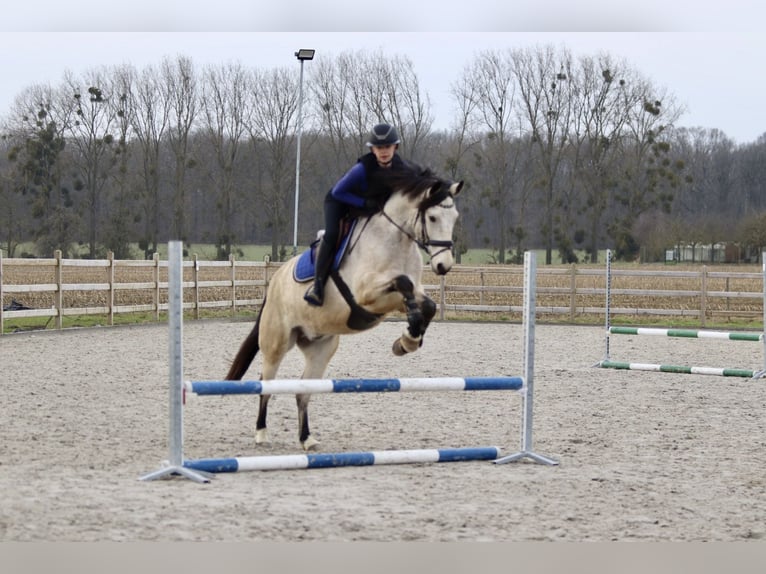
315,294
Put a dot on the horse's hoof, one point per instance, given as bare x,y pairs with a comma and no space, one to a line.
262,436
310,444
404,345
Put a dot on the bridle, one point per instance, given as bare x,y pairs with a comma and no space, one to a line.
423,242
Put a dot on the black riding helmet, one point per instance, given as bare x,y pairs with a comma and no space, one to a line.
383,134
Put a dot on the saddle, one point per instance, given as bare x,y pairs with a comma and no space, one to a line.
304,269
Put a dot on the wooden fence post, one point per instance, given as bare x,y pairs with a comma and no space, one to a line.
156,279
703,296
233,277
2,325
573,291
442,296
110,273
195,280
59,296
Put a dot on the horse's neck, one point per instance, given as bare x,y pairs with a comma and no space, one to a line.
388,235
399,217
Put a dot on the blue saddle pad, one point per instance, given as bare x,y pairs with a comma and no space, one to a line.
304,270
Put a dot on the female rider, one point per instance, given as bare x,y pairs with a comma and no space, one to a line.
351,192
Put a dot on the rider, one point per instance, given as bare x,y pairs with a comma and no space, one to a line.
350,192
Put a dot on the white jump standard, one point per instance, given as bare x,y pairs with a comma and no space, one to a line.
607,363
201,470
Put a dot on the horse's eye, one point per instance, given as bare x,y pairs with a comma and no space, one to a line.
431,218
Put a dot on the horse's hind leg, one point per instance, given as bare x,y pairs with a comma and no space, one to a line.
420,311
273,352
261,432
317,353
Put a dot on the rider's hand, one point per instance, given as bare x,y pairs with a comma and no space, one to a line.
371,205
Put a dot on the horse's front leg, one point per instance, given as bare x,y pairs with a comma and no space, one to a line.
420,310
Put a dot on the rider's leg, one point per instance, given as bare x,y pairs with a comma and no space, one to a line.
325,252
333,212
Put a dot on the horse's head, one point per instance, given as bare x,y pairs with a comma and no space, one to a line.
433,201
437,217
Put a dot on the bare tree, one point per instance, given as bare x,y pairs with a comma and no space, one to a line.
602,87
123,196
491,99
546,106
752,233
12,217
331,86
38,126
275,108
710,164
463,139
650,174
359,89
227,111
407,106
748,197
91,141
366,105
180,90
149,115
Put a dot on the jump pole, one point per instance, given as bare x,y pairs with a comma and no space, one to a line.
202,469
607,363
317,386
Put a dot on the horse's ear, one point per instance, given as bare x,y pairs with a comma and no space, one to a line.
455,188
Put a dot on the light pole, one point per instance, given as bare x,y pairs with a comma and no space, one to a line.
302,56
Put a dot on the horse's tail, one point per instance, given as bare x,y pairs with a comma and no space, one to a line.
247,351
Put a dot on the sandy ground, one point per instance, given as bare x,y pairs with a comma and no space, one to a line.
644,456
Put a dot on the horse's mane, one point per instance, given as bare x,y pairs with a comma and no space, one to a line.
410,181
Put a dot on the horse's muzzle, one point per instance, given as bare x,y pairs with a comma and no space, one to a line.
442,269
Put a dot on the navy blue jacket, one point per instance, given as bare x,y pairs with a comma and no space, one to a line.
351,189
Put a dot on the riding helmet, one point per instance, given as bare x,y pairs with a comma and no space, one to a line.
383,134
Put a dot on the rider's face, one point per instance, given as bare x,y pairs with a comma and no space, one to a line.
384,154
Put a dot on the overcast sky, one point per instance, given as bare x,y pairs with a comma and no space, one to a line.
709,57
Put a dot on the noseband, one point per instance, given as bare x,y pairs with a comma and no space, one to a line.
425,242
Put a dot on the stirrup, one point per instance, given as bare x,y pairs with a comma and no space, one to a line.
314,296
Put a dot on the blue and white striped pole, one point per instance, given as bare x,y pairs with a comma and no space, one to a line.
315,386
334,460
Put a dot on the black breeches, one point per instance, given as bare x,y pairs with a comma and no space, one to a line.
334,211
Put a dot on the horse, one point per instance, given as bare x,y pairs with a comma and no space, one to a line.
379,274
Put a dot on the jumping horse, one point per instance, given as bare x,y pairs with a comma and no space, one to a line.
379,274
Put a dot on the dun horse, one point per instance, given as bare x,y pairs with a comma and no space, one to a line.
379,273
